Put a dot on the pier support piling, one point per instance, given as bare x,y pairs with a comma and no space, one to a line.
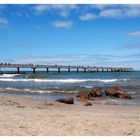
47,70
34,70
77,70
18,70
58,70
85,70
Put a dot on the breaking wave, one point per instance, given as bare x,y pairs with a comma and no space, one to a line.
61,80
8,75
40,91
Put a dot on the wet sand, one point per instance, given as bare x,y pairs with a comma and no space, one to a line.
28,116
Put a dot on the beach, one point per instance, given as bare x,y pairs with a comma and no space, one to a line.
28,116
69,69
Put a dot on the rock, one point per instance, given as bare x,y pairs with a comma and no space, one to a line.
126,95
69,100
118,88
88,104
83,96
96,92
114,92
117,92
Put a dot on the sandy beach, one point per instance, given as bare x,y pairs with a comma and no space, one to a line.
27,116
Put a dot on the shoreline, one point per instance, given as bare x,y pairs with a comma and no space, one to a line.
55,96
29,116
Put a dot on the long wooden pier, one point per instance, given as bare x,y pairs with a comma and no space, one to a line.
18,67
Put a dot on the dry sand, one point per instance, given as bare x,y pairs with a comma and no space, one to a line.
28,116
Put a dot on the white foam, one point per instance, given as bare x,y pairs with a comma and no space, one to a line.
59,80
36,90
87,86
107,80
8,75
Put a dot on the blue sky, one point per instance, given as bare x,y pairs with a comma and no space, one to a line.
100,35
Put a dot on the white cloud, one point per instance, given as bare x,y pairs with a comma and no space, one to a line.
111,13
133,46
99,6
64,24
40,8
83,12
88,16
61,9
117,11
137,33
103,6
58,59
65,59
64,9
92,60
132,10
21,14
3,21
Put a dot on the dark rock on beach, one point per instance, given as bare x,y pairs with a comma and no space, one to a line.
96,92
114,92
117,92
126,96
69,100
99,93
83,96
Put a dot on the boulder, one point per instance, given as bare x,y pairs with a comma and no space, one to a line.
96,92
69,100
88,104
114,92
83,96
126,96
118,88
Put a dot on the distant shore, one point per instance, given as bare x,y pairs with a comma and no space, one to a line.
28,116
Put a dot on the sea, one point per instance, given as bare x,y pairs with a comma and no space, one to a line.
55,85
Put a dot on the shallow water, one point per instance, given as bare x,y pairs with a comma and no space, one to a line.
53,84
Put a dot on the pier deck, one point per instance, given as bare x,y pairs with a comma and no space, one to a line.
68,68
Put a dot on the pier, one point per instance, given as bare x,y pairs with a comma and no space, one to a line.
68,68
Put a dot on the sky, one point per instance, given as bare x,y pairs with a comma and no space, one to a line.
95,35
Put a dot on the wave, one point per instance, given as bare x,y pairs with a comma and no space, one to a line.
61,80
8,75
43,91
